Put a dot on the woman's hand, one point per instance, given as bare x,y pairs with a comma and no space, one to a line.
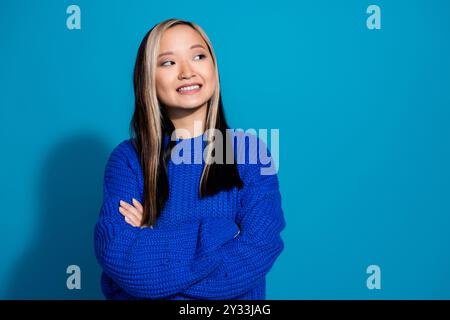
133,214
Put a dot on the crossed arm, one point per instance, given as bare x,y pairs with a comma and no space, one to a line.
209,259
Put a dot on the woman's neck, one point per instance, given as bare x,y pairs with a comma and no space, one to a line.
188,123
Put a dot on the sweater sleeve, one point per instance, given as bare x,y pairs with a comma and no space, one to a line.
246,259
146,263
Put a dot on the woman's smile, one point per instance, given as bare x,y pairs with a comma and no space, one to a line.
189,89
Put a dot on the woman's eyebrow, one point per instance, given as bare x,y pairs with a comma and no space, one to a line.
171,52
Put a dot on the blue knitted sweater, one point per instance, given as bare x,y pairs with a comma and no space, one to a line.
219,247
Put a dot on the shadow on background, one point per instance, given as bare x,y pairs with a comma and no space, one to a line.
69,197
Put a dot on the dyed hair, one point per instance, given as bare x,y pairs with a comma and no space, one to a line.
150,123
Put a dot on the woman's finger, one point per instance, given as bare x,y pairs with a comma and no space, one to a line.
129,217
138,206
139,209
130,221
132,210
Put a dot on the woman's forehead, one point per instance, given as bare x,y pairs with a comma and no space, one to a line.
180,37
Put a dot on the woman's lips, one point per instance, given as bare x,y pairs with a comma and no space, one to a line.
190,91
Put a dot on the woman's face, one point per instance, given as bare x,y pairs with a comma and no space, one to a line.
183,60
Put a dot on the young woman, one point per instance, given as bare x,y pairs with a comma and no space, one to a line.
205,229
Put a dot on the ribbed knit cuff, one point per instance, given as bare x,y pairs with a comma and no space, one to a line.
214,232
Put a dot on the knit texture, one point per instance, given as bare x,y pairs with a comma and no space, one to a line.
219,247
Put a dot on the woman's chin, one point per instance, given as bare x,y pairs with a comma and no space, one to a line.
190,105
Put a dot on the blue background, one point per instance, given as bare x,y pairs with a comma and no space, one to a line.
364,135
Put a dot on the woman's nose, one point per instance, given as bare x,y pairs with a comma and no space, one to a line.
185,72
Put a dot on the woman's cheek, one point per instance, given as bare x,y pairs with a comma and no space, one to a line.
163,92
211,86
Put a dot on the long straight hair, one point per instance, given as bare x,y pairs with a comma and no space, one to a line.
150,123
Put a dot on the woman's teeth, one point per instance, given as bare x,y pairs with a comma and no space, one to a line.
195,87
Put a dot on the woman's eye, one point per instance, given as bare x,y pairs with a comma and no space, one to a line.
200,55
165,63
